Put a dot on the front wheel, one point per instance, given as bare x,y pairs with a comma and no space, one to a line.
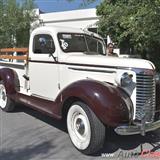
6,103
86,131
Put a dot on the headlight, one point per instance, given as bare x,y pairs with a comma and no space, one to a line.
126,79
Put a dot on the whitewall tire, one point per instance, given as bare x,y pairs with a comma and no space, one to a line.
86,131
6,103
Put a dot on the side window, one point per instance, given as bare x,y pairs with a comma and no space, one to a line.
43,44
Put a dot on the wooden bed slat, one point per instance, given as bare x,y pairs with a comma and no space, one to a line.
5,53
14,57
4,50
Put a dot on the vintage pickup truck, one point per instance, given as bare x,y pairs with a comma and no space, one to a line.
67,75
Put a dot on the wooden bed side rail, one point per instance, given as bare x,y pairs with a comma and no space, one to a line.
7,53
8,50
14,57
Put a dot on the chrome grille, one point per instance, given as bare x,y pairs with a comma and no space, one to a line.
145,97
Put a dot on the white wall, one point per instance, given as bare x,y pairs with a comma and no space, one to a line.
83,18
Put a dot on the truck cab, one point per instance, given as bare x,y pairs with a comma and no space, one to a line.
67,75
49,50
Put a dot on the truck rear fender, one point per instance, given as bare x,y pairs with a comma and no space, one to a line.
110,104
10,80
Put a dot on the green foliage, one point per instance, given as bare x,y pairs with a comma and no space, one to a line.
132,24
15,22
84,2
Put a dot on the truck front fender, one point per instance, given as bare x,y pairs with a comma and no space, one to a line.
10,80
110,104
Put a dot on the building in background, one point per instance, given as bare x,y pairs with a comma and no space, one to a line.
83,18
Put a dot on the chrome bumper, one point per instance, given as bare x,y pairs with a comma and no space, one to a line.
137,129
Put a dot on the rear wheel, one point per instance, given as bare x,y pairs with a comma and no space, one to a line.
6,103
86,131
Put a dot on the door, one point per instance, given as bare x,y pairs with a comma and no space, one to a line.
43,69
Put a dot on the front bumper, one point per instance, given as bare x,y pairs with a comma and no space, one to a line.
137,129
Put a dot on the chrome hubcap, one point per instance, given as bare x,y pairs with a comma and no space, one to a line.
80,126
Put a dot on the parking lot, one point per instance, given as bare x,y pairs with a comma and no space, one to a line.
28,135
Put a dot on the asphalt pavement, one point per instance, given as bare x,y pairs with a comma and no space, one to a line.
26,134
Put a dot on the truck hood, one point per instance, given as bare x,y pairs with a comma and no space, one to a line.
109,61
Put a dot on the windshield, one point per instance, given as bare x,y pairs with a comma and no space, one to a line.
75,42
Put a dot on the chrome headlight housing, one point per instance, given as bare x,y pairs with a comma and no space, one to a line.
124,79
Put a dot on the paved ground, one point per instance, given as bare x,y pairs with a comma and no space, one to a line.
28,135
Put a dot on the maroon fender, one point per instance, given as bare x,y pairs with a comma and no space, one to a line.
111,105
10,80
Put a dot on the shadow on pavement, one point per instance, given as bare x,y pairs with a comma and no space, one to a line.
27,152
49,120
113,141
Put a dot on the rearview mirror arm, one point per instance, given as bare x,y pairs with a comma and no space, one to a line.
51,55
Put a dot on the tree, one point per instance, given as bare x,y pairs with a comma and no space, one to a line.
132,24
15,22
84,2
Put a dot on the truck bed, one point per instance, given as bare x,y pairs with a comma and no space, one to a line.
16,59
